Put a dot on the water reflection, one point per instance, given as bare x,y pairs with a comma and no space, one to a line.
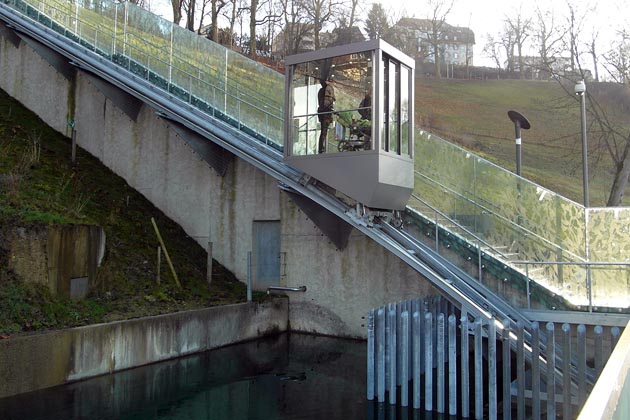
283,377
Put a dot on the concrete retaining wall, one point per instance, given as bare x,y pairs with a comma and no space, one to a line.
28,363
148,154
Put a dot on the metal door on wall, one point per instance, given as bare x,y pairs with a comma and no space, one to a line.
266,253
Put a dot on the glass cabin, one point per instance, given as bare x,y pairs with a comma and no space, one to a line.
349,120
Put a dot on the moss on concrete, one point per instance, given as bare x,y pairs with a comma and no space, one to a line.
39,186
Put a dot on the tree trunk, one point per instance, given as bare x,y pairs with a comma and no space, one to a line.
214,24
252,29
190,18
620,182
177,11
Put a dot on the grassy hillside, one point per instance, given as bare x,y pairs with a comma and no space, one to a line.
473,114
38,185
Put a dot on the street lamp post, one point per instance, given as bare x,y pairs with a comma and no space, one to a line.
580,90
519,122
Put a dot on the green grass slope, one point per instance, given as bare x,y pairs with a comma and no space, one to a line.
38,185
473,114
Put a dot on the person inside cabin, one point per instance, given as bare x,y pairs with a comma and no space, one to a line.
364,125
326,101
365,107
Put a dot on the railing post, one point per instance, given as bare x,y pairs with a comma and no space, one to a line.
440,363
126,17
452,365
478,354
492,370
507,372
465,388
391,319
380,354
479,261
566,371
170,57
437,234
535,371
529,293
520,371
404,370
370,356
249,276
416,359
551,372
225,87
428,361
599,350
581,352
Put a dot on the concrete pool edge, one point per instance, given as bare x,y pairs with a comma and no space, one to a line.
37,361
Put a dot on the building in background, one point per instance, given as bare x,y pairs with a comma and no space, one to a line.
414,37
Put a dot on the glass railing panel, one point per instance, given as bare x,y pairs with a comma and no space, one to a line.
609,234
141,25
510,215
611,286
609,241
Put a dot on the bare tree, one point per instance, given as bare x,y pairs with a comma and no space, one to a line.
254,8
492,50
354,10
232,14
438,10
591,48
295,27
189,7
507,40
548,36
321,12
519,27
617,59
608,134
576,18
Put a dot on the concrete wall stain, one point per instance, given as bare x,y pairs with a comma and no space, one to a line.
54,254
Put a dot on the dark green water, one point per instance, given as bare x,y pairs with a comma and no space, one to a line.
284,377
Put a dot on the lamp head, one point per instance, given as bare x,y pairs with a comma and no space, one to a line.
580,88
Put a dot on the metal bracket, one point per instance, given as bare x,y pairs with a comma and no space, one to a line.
122,100
216,156
58,61
7,32
337,230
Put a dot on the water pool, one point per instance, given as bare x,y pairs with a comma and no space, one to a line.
289,376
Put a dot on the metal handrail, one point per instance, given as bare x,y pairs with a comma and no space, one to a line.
514,225
480,241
